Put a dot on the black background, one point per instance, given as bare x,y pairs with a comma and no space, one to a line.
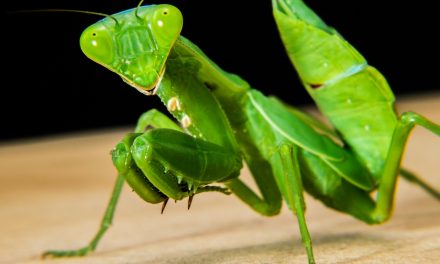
50,87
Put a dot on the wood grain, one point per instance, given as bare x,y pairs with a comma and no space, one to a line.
53,192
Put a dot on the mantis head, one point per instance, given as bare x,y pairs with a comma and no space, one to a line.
135,43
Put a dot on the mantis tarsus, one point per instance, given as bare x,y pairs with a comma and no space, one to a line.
224,122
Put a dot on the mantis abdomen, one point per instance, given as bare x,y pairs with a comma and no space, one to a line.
362,113
355,97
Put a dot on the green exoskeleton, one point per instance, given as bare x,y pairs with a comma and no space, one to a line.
224,122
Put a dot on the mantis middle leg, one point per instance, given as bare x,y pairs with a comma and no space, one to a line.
288,177
346,197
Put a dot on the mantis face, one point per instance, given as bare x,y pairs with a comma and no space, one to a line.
135,43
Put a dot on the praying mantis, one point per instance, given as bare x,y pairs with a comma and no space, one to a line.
223,122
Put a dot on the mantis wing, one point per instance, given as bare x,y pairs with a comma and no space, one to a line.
313,122
297,131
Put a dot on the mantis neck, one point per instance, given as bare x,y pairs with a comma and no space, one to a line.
228,88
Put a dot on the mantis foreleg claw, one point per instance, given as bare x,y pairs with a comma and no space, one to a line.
190,199
164,205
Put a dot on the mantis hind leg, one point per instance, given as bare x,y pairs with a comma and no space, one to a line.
413,178
348,198
151,118
385,194
328,186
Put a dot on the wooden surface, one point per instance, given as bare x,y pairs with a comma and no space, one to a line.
53,192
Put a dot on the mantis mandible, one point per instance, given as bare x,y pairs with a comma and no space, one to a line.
224,122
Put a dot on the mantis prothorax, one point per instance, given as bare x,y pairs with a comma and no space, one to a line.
224,122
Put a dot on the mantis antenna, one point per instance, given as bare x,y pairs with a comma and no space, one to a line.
137,8
69,11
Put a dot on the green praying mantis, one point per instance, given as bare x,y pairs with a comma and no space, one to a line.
223,122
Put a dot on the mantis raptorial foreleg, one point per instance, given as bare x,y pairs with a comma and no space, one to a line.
155,119
149,119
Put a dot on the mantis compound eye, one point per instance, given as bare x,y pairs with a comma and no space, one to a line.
166,24
96,42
